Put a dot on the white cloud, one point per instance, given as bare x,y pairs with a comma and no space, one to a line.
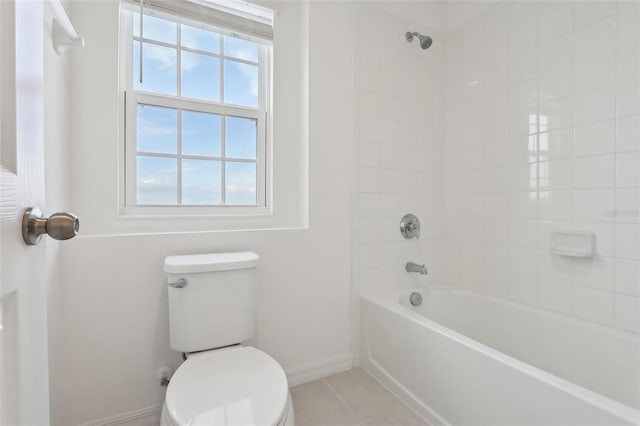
189,61
153,128
165,56
251,74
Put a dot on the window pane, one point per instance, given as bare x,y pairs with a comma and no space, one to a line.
240,84
156,180
240,183
155,28
201,182
157,129
241,49
158,68
200,76
197,38
201,133
241,136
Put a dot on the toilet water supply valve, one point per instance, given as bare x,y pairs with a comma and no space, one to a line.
164,374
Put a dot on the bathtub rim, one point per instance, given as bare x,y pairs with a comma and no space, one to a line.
616,331
391,301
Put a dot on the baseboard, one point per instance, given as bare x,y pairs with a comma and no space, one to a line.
318,369
149,416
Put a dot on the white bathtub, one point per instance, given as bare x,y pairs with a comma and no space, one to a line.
467,359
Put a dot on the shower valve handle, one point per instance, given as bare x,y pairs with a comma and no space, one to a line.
410,226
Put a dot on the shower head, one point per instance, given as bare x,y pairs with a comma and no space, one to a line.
425,41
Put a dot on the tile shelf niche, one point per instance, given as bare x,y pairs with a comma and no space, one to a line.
579,244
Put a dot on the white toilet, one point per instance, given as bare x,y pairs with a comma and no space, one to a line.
221,382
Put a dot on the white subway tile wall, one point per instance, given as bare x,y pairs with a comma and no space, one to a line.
542,132
400,88
522,121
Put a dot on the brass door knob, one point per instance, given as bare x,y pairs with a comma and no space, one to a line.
59,226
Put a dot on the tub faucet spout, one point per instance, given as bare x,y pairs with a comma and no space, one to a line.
414,267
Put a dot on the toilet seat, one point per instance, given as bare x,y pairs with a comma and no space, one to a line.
240,385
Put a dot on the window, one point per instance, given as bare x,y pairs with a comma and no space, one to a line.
196,123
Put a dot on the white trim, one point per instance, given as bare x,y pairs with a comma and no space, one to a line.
130,98
247,10
149,416
295,376
253,23
288,151
315,370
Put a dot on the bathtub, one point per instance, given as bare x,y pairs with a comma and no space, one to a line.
467,359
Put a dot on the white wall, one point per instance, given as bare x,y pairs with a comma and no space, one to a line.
458,12
542,133
400,141
113,329
424,14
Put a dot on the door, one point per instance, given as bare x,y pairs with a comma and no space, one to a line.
24,385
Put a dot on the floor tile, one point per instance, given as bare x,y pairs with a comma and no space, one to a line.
315,404
401,416
367,398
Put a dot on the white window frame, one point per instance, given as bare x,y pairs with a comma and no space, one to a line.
130,98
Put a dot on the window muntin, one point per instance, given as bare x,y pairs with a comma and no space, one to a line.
199,116
227,169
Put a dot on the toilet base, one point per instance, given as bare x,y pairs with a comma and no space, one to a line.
287,420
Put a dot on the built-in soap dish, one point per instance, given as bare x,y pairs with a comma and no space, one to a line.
573,243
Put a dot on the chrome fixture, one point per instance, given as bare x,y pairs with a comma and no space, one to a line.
415,298
410,226
164,373
181,283
59,226
425,41
414,267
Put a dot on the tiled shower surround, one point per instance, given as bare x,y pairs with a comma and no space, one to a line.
541,135
541,132
401,135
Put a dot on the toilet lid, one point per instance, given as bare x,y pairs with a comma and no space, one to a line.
234,386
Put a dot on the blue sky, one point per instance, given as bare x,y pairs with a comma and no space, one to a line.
201,132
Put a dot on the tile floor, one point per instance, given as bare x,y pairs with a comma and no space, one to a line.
349,399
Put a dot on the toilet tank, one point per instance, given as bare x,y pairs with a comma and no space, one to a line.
215,307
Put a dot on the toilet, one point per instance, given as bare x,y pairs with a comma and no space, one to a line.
211,312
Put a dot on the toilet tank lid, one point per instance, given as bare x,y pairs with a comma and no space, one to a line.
210,262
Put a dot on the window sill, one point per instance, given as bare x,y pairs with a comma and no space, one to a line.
183,212
185,220
176,233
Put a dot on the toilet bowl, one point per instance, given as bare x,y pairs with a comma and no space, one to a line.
221,382
239,386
